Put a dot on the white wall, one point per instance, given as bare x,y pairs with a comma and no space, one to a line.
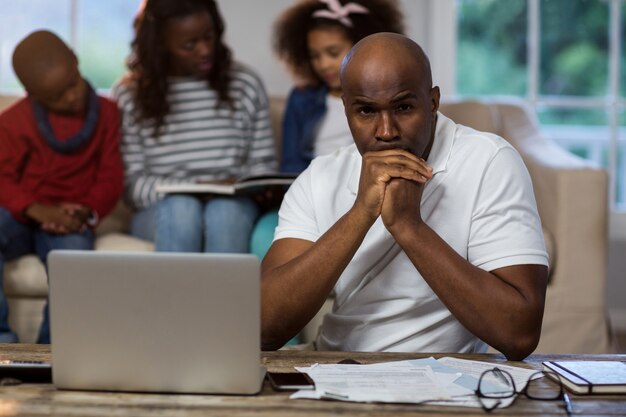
248,33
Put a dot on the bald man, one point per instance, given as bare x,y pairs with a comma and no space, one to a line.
60,165
426,231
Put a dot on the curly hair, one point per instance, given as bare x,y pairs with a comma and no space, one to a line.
294,24
149,60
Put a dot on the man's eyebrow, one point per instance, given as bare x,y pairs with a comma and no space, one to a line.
409,95
362,101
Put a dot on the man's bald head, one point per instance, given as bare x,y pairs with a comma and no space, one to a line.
388,95
37,54
391,50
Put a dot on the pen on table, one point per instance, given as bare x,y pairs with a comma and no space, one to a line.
334,395
568,404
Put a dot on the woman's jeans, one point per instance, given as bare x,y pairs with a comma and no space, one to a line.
17,239
183,223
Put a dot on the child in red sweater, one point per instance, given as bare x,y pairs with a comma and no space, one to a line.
60,165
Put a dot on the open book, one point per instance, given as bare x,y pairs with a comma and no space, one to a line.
244,184
590,377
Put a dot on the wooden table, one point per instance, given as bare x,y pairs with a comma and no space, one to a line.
45,400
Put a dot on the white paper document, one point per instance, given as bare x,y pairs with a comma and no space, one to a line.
446,381
373,383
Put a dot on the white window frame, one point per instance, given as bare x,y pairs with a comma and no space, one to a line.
611,103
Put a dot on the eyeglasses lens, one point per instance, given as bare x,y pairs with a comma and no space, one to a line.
496,384
539,389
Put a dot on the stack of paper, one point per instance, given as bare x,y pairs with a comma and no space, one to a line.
445,381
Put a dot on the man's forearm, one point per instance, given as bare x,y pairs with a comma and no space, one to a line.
294,291
504,308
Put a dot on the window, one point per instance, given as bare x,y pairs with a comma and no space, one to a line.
100,33
566,57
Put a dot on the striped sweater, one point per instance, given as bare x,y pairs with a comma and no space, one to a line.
198,140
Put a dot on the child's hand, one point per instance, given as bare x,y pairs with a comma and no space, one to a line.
54,218
79,211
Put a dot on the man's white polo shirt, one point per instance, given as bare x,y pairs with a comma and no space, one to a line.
480,201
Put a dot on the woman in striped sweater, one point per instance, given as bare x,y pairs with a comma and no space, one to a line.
190,114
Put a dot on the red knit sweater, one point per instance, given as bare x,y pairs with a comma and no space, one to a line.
30,171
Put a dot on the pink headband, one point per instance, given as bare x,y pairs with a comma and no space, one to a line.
338,12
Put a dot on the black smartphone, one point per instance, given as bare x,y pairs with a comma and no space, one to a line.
290,381
26,371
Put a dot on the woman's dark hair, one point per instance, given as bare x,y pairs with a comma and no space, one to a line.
294,24
149,61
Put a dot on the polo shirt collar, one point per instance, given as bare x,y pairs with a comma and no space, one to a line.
442,145
439,153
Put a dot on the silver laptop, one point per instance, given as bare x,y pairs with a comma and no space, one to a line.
155,322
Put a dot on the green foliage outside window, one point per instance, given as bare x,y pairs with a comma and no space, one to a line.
574,47
491,48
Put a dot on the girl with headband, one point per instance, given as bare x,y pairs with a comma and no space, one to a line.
313,37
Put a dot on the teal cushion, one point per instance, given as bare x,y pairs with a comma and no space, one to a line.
263,234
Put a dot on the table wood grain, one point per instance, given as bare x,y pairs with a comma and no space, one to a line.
45,400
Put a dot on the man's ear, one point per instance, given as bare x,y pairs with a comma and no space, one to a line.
435,96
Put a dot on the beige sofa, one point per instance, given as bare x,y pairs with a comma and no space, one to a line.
575,225
572,199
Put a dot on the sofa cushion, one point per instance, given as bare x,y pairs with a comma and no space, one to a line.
548,238
472,113
277,107
122,242
117,221
25,277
